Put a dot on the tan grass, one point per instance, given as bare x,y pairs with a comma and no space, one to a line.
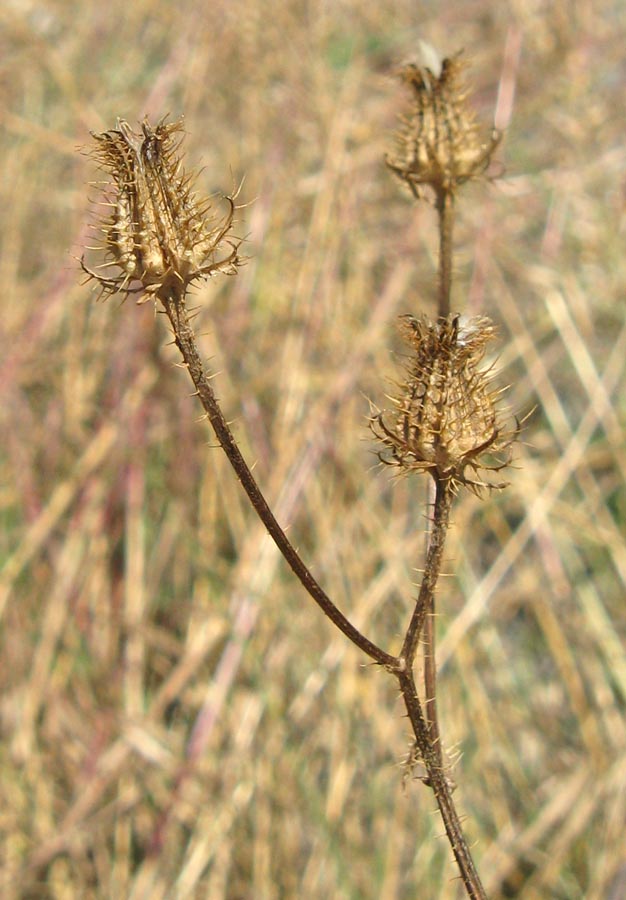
178,719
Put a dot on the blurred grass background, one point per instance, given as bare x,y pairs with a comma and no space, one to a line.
178,719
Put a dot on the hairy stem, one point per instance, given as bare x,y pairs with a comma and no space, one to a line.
441,788
175,309
430,649
424,606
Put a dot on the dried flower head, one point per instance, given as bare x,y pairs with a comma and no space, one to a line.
446,420
157,234
439,143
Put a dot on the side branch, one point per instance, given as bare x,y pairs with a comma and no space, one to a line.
174,306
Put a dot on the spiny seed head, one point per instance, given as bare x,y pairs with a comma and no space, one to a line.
439,144
157,233
446,419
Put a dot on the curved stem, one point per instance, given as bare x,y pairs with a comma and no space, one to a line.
174,305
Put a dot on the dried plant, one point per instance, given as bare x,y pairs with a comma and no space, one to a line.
446,419
440,144
158,238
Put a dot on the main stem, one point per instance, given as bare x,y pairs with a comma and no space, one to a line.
424,721
441,787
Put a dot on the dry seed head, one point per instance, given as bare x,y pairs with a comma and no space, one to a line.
440,143
157,232
446,419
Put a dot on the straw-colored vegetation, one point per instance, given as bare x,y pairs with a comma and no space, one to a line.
178,719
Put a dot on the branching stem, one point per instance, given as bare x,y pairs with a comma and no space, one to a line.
160,236
424,726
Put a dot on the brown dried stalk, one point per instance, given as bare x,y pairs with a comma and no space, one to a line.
440,146
157,238
446,421
166,242
446,418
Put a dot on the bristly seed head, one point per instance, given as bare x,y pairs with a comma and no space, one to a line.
446,419
439,144
158,236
